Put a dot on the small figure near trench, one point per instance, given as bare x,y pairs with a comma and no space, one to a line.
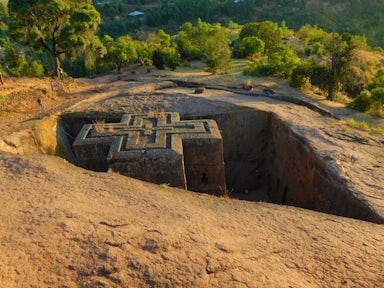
40,103
54,86
61,73
1,79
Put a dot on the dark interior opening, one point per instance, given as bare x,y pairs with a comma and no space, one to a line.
265,160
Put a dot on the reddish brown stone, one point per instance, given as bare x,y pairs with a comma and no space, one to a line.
159,149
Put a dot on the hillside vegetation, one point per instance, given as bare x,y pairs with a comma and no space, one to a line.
86,38
354,16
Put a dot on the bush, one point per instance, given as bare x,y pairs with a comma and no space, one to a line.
166,56
378,98
252,46
259,67
363,102
301,75
283,60
36,69
371,101
299,78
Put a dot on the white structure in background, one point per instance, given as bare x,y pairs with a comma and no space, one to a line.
136,13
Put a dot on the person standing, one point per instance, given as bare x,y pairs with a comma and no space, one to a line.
1,79
40,103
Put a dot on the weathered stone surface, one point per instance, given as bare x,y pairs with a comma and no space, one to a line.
156,148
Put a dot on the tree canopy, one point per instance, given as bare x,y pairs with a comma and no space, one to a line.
58,26
267,31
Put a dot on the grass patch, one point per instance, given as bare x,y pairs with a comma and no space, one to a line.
344,129
364,126
359,125
378,130
164,185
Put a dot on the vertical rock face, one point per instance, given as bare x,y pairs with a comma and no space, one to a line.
298,177
158,149
246,139
203,161
260,150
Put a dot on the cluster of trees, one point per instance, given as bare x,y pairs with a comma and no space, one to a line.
168,15
178,12
354,16
372,98
50,35
43,36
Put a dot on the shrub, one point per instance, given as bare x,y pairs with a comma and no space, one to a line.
252,46
166,56
371,101
378,97
301,75
259,67
283,60
36,69
362,102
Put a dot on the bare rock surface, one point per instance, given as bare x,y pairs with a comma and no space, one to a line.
63,226
66,227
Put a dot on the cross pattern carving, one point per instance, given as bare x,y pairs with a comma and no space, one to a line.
143,132
159,148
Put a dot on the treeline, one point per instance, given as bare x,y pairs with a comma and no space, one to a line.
353,16
333,64
169,14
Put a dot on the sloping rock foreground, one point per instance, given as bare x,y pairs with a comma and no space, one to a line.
62,226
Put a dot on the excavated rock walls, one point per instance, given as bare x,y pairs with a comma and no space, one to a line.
246,137
298,177
261,150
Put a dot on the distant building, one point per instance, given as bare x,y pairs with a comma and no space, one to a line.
102,2
135,13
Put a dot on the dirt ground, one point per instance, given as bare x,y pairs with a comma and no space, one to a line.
63,226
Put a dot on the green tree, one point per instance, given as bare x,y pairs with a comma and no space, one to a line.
252,46
283,60
378,97
16,65
36,69
311,34
319,76
120,52
311,72
373,97
301,74
207,42
171,56
144,53
165,51
58,26
267,31
377,80
4,19
191,39
341,64
217,53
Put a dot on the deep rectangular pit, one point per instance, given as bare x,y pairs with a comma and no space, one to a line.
264,156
